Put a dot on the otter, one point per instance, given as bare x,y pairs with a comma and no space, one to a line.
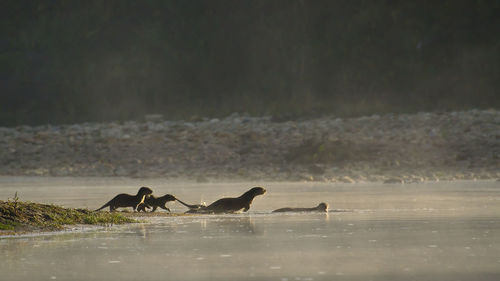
322,207
231,205
154,202
127,200
191,206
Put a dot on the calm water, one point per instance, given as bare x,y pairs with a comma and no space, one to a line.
432,231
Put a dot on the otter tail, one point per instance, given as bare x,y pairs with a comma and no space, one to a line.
192,207
103,206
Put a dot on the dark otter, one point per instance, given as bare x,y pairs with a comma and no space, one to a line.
127,200
191,206
154,202
322,207
231,205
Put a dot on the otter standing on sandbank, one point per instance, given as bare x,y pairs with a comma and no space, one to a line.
154,202
231,205
127,200
322,207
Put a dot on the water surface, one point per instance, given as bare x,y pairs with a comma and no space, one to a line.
430,231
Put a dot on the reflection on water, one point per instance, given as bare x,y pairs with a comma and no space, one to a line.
229,226
440,231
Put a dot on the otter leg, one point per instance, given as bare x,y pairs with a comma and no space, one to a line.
247,207
154,208
165,208
141,202
141,207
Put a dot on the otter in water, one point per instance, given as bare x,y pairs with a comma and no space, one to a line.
127,200
192,206
231,205
154,202
322,207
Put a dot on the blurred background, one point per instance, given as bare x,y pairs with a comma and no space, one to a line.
75,61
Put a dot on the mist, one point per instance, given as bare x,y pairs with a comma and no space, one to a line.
310,140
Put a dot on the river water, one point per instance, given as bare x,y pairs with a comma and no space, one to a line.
426,231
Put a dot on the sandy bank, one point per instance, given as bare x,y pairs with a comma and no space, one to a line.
392,148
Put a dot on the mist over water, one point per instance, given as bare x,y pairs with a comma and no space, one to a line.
206,99
428,231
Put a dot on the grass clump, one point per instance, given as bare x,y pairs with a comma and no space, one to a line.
18,215
6,226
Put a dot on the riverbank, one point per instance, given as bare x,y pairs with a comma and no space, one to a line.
18,217
400,148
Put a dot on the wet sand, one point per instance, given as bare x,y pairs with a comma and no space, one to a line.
426,231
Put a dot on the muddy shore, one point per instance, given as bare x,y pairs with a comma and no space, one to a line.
389,148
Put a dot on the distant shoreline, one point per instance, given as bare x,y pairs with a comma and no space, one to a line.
392,148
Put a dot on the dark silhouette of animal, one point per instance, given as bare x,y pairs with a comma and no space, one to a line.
127,200
191,206
322,207
231,205
154,202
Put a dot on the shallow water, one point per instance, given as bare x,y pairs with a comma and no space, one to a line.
431,231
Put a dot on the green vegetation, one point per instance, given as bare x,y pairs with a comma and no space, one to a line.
73,61
26,216
7,226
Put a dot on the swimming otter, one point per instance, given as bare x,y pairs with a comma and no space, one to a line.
154,202
231,205
192,206
322,207
127,200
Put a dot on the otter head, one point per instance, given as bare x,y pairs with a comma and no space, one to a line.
257,190
145,190
322,207
169,197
